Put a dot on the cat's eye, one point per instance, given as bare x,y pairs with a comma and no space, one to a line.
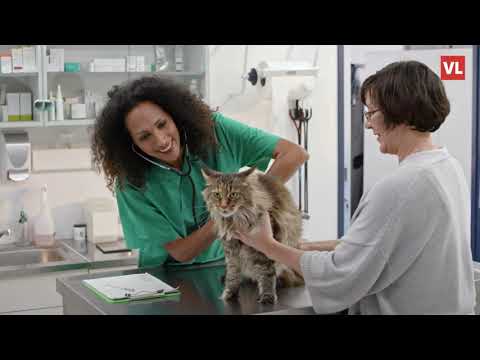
217,195
234,196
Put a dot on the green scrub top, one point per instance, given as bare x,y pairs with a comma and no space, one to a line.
162,211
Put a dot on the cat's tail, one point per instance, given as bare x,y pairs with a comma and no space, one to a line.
287,277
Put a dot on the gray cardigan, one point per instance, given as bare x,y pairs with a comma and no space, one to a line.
408,248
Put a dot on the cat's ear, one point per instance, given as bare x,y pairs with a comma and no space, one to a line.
247,172
209,173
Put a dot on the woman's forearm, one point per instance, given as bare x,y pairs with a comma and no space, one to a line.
326,245
283,254
185,249
288,158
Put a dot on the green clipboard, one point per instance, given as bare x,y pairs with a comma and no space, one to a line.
127,283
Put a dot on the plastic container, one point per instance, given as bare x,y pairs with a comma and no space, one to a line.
22,235
194,88
44,227
179,58
51,109
59,104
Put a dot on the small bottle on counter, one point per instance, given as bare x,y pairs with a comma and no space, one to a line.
22,230
80,237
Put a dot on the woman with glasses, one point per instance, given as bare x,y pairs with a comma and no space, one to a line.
150,141
407,250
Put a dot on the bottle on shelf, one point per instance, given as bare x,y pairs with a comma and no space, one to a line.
161,62
51,109
44,227
179,58
59,104
194,88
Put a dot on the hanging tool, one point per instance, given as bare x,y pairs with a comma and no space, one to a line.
307,116
300,118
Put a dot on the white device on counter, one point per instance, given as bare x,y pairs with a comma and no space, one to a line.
101,220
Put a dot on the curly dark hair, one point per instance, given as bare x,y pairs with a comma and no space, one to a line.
111,141
408,92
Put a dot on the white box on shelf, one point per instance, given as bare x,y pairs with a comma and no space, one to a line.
51,65
4,113
57,60
79,111
6,64
26,107
29,59
131,63
17,60
141,63
13,105
109,65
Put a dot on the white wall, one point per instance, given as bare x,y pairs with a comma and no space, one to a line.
226,69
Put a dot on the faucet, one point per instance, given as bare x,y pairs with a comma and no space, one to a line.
7,232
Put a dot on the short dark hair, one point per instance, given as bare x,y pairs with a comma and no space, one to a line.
111,144
408,92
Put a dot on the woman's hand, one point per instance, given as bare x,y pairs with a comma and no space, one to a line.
327,245
260,239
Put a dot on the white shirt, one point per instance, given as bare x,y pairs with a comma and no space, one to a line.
408,248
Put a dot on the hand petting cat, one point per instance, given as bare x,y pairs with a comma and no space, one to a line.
261,238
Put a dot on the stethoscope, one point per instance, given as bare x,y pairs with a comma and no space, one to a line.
178,172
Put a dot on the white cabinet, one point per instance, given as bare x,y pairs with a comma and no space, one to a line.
86,73
58,310
37,294
33,292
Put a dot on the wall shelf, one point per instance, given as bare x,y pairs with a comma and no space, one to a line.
92,88
71,122
20,124
141,73
20,74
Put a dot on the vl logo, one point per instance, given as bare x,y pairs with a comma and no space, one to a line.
452,67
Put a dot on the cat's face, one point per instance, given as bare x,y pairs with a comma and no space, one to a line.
225,194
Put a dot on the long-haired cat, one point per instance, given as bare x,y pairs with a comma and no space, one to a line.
236,203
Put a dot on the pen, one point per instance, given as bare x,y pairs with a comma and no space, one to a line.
148,293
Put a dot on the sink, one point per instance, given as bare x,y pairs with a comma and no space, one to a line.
30,256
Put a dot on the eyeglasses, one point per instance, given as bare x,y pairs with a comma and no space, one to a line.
368,114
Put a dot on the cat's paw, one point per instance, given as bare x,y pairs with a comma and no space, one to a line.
229,295
267,298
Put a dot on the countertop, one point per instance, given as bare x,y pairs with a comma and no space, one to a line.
200,287
75,256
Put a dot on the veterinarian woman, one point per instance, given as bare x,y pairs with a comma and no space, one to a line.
408,248
150,141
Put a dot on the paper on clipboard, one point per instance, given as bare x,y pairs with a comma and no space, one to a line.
130,287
